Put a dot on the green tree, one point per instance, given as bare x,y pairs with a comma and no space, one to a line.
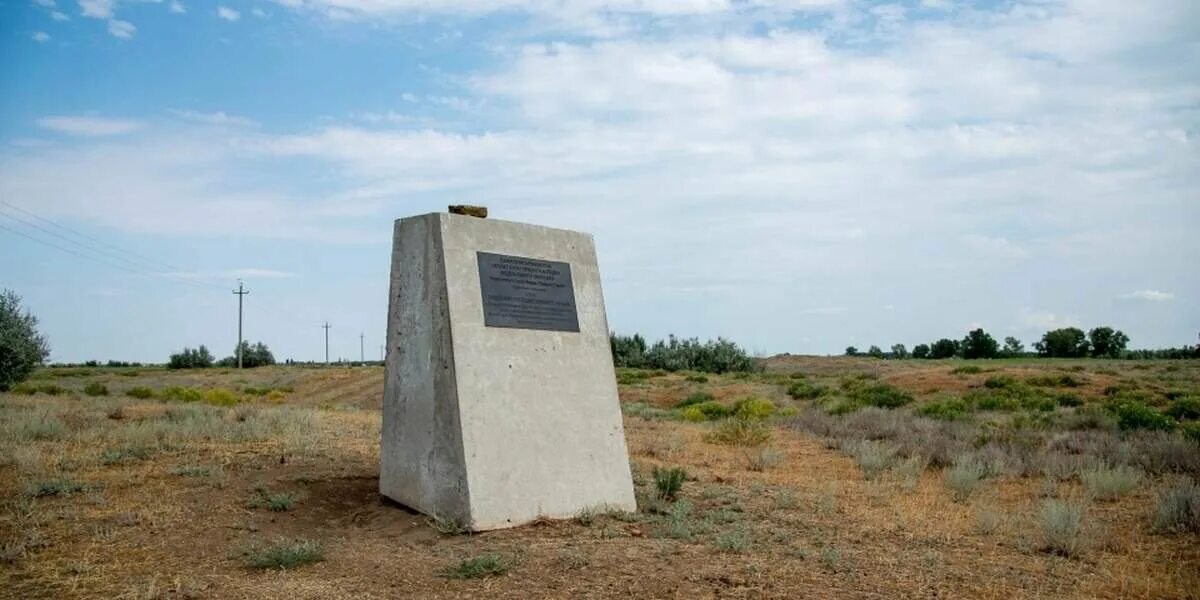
875,351
1107,342
22,348
628,351
979,344
943,348
1068,342
921,351
899,351
200,358
1012,347
851,351
257,355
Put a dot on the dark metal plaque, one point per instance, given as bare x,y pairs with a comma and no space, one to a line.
527,293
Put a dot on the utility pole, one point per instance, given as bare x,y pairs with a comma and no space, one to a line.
362,358
326,327
240,292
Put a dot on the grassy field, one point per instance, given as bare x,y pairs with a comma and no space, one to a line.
819,477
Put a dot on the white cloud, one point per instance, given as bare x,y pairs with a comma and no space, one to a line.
121,29
41,37
1149,296
177,7
59,16
214,118
260,13
88,126
228,14
97,9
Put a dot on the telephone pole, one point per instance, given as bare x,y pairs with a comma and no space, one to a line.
240,292
326,327
362,358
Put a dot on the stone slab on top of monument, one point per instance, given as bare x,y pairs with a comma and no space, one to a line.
500,400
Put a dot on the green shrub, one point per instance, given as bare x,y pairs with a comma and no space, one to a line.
677,354
951,409
1191,431
1187,407
696,398
1178,508
697,378
710,410
140,393
881,395
22,348
1109,483
1059,380
967,370
1061,524
51,389
1132,414
274,502
220,397
95,389
753,408
284,555
669,482
112,456
740,432
996,382
24,389
804,390
1068,399
488,565
182,394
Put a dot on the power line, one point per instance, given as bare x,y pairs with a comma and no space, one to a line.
326,328
240,294
140,257
97,255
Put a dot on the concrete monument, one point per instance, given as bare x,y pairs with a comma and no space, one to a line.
500,401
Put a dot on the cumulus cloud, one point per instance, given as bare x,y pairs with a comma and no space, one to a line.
88,126
1149,296
214,118
41,37
97,9
177,7
228,14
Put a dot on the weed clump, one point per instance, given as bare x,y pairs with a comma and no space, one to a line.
964,477
872,457
694,399
487,565
881,395
281,502
55,487
953,409
735,541
284,555
804,390
1109,483
1133,414
95,389
709,410
740,432
1178,508
966,370
753,408
1061,525
763,459
669,482
141,393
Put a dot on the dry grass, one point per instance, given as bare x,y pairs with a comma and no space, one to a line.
165,514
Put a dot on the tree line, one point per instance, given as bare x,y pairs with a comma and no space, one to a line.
1066,342
256,355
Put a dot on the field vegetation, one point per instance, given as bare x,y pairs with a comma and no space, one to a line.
1026,477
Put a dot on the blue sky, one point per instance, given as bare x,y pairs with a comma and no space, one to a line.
798,175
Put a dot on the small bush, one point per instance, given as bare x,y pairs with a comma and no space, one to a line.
804,390
1061,524
1184,408
112,456
1059,380
51,389
281,502
763,459
220,397
1132,414
95,389
39,426
141,393
952,409
647,411
706,411
997,382
964,477
1178,508
740,432
881,395
24,389
1068,399
735,541
284,555
669,482
488,565
966,370
696,398
194,471
872,457
1109,483
182,394
697,378
753,408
